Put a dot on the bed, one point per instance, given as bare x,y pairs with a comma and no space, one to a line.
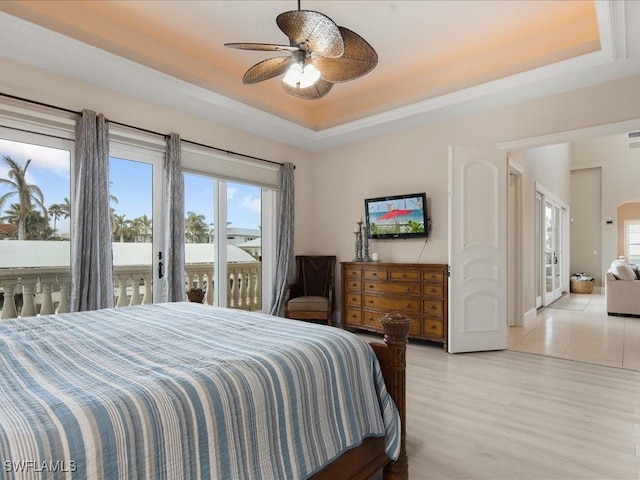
184,390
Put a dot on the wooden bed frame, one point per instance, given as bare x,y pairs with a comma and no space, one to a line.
361,462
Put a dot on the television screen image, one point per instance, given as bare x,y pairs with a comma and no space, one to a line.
399,216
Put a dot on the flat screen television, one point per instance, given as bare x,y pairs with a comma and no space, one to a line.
398,216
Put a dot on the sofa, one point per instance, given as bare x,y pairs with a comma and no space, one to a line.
623,288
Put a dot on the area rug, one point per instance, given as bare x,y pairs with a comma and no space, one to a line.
570,303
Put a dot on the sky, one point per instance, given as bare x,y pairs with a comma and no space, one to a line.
130,183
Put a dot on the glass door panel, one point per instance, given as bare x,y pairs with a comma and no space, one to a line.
200,234
244,246
539,249
557,248
35,224
549,253
135,182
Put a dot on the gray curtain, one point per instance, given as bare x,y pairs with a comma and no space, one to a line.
91,254
284,247
173,286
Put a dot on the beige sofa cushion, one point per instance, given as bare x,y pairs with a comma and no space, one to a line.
622,270
309,304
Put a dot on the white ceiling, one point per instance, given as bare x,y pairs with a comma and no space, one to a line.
436,58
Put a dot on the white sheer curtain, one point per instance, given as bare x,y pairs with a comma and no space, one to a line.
284,247
174,286
91,254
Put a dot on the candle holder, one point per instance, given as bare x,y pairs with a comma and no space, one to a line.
365,254
358,246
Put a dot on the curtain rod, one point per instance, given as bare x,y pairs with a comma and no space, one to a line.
228,152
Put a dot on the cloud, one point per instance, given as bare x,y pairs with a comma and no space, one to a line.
51,159
251,203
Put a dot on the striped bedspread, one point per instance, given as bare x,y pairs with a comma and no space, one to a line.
184,390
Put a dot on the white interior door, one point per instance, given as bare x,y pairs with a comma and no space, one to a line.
477,250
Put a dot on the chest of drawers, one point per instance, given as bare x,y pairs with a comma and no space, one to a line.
369,290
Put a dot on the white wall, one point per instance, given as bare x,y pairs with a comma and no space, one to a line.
620,181
586,227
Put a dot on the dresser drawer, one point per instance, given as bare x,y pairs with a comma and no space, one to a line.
432,308
353,284
433,277
353,273
353,299
402,274
395,288
432,327
435,291
379,274
353,317
372,319
392,303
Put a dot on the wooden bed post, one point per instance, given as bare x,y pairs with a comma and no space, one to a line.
360,463
396,329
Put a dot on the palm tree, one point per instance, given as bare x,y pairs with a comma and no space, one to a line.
66,208
136,229
147,228
56,211
27,193
36,225
121,226
195,228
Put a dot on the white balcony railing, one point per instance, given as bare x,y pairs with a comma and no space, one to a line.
34,290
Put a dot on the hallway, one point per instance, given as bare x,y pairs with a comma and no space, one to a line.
577,327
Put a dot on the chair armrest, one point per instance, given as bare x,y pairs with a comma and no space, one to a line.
294,290
331,291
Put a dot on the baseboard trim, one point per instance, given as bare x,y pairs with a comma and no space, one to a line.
530,316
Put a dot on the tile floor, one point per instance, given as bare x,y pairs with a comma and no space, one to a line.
587,335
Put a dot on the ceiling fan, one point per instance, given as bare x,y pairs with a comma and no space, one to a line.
321,54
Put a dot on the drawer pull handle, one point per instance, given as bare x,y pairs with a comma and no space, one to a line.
433,290
432,327
371,286
371,302
374,274
408,305
433,307
408,289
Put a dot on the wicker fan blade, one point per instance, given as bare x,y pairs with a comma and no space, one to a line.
267,69
312,31
268,47
314,92
359,58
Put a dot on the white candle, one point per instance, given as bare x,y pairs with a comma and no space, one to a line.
375,257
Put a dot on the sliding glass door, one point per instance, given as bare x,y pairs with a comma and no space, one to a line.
135,187
551,216
223,240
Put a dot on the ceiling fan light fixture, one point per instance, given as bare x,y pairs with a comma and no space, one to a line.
302,76
321,54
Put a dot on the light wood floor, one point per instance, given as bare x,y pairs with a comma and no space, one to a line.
587,335
510,415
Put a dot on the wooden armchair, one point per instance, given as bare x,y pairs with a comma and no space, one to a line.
310,297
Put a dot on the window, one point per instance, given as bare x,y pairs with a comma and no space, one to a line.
632,240
236,200
35,223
